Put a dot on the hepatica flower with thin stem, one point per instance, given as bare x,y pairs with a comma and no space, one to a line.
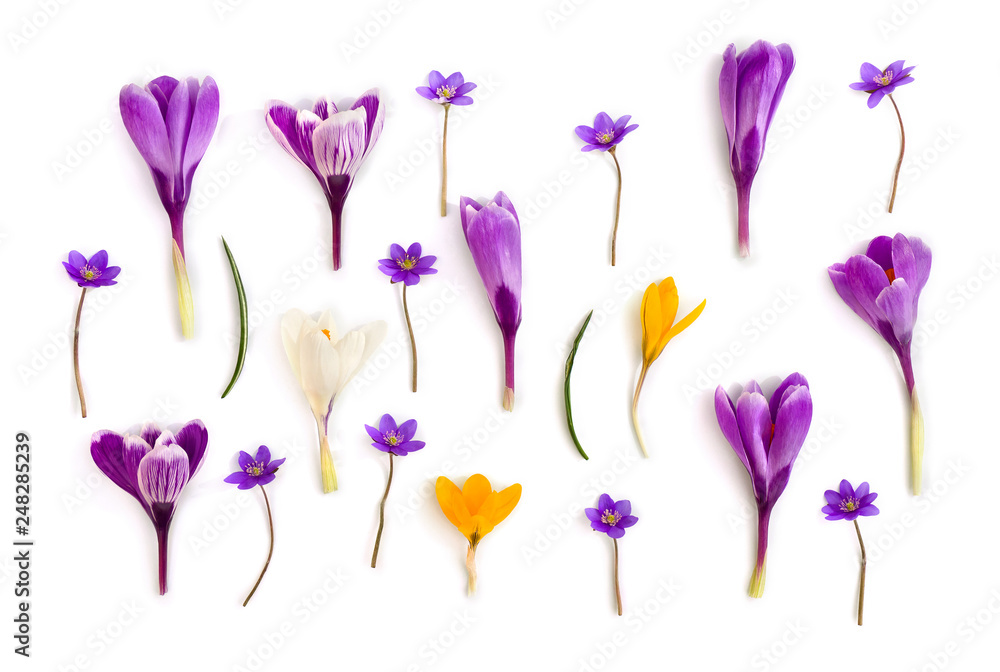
153,466
847,504
171,123
475,510
604,136
407,266
324,363
750,87
767,435
883,287
87,273
612,518
879,84
657,313
257,471
493,234
446,91
332,144
397,440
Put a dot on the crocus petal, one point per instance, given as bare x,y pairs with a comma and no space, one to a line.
370,103
754,420
108,450
475,491
145,125
682,324
163,473
896,301
759,73
150,432
727,94
339,144
790,429
880,251
493,235
193,438
787,65
777,396
650,318
291,328
321,369
917,271
867,280
203,121
507,499
725,412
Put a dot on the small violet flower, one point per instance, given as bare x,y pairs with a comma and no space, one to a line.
848,504
446,92
258,470
605,136
396,440
407,266
879,84
87,273
612,518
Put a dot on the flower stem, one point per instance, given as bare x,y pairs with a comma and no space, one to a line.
635,409
413,342
185,303
326,458
618,206
743,217
902,148
916,442
381,513
444,165
618,590
470,565
508,361
76,354
336,216
270,550
760,569
161,549
864,562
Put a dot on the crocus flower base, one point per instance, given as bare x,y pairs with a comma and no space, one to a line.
184,301
757,579
916,442
326,463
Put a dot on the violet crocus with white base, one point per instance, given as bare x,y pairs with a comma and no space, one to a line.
493,234
332,144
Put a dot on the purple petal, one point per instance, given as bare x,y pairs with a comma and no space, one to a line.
435,79
754,420
396,251
400,275
725,412
410,278
605,503
108,450
628,521
263,455
833,497
464,88
870,510
236,477
99,260
249,482
603,123
414,250
77,260
846,490
790,429
244,459
727,94
867,280
145,125
193,438
880,251
787,66
407,430
862,490
866,499
266,478
386,424
601,526
425,263
410,446
593,514
615,532
163,473
838,276
376,435
426,92
462,100
455,80
370,102
896,301
586,133
622,123
777,398
273,466
623,507
149,433
203,121
839,515
875,98
869,72
493,235
759,73
339,144
895,68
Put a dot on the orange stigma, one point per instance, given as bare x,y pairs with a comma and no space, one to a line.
326,332
891,274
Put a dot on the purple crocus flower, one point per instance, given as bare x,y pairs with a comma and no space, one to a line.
407,265
153,466
449,90
883,287
331,143
750,87
397,440
611,518
767,435
493,234
848,504
256,470
171,124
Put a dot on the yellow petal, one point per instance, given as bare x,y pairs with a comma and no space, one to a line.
668,304
450,500
507,499
475,491
649,315
683,324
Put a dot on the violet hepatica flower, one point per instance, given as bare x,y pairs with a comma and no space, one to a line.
332,144
153,467
493,234
612,518
446,91
750,87
258,470
848,504
883,287
605,136
879,84
171,123
397,440
407,266
767,435
87,273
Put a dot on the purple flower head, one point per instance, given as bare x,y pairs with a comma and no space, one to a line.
331,143
171,123
848,503
611,517
883,287
750,87
447,91
93,272
390,438
605,134
880,83
493,234
407,265
256,470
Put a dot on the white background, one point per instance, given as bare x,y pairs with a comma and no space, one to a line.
545,597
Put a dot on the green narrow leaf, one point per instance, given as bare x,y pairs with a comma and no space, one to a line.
242,297
569,370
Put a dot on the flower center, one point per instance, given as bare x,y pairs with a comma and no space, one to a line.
406,263
850,504
605,138
326,332
883,79
445,91
255,468
89,272
392,438
891,274
610,517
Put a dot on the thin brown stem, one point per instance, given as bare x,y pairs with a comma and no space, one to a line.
618,590
413,342
618,206
76,354
444,164
270,550
902,148
381,514
864,561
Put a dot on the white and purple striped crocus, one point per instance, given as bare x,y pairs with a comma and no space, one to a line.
750,88
493,234
171,123
153,466
332,144
767,435
883,287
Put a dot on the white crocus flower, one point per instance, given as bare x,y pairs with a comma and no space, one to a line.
324,363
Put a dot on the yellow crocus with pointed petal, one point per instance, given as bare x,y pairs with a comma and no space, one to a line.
475,510
658,310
